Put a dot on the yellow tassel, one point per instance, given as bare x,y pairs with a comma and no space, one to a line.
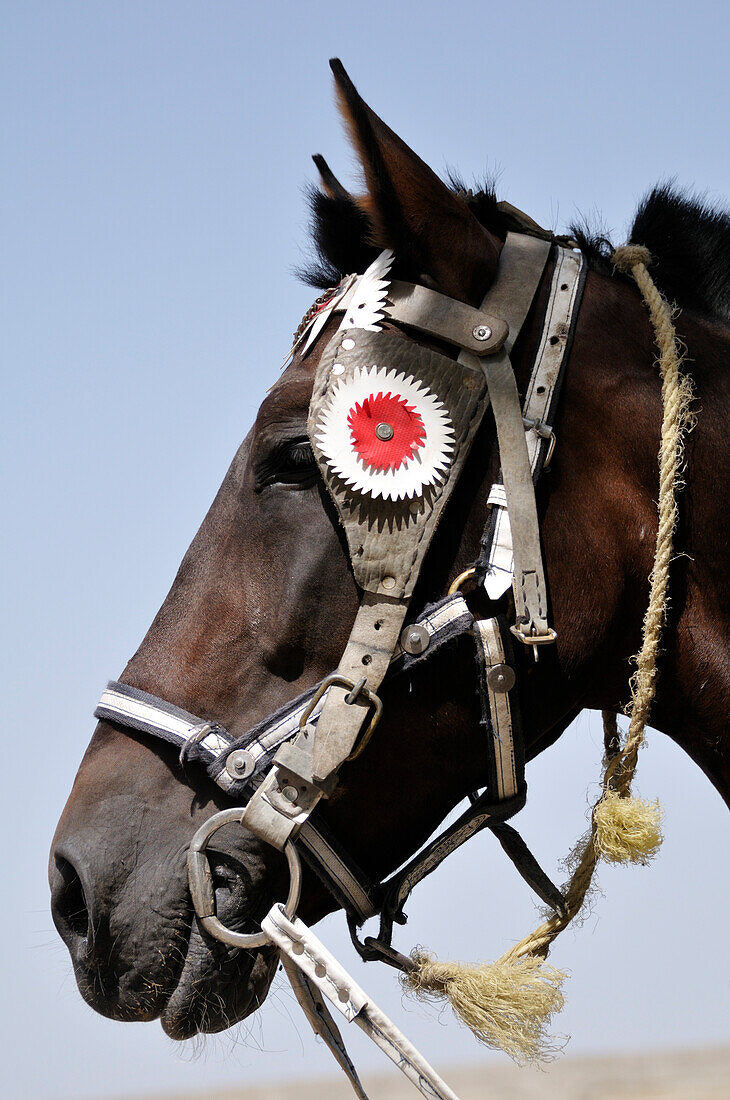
627,830
507,1005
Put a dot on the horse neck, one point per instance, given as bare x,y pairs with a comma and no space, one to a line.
599,523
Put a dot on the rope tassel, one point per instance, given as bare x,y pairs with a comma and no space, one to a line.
627,830
506,1004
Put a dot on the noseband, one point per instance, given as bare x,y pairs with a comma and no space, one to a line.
391,424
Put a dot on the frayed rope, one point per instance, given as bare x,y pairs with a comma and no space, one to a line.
506,1005
627,830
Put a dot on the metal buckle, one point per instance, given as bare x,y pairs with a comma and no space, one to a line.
534,639
200,881
355,690
196,735
544,431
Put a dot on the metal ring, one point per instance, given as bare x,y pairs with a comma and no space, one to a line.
461,580
200,880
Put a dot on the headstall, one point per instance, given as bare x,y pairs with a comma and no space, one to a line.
391,424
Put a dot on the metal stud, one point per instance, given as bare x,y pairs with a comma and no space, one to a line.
289,793
384,432
481,332
501,678
415,639
240,764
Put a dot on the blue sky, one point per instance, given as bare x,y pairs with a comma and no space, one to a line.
154,157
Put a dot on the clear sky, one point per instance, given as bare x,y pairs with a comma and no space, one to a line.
154,156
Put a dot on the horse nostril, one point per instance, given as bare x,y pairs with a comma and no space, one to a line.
69,901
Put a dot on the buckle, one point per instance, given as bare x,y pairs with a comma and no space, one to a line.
533,638
356,689
544,431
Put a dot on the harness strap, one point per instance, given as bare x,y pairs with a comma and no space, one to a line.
348,884
529,587
484,811
496,561
439,624
321,1021
343,716
369,651
521,264
305,951
497,680
474,330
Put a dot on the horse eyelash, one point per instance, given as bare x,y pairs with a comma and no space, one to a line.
294,457
299,453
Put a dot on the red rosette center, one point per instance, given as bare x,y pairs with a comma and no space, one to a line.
386,431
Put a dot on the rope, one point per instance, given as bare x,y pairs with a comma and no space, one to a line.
509,1003
620,763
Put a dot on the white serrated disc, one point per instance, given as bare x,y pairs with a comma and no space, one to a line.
385,434
365,309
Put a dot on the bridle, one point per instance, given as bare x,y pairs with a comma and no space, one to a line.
391,424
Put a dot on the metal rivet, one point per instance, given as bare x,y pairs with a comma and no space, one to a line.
297,947
384,431
387,583
320,970
481,332
415,507
415,639
348,343
344,995
239,764
338,368
289,793
501,678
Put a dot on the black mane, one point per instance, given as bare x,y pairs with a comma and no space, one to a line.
689,241
688,238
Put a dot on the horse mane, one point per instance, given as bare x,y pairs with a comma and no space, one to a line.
687,236
689,241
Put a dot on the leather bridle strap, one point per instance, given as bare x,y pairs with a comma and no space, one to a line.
529,587
521,264
305,951
495,567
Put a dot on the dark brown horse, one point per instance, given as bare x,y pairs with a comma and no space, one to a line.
265,598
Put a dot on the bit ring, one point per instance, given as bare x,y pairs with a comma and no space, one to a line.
200,880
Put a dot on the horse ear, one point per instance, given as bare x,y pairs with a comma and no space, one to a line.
329,181
430,229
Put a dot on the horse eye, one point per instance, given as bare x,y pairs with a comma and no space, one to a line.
296,456
291,463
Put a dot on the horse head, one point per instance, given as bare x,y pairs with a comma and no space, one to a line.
265,599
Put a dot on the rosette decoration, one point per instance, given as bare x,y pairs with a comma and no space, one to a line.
385,434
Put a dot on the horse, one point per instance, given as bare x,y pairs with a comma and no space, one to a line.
266,596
